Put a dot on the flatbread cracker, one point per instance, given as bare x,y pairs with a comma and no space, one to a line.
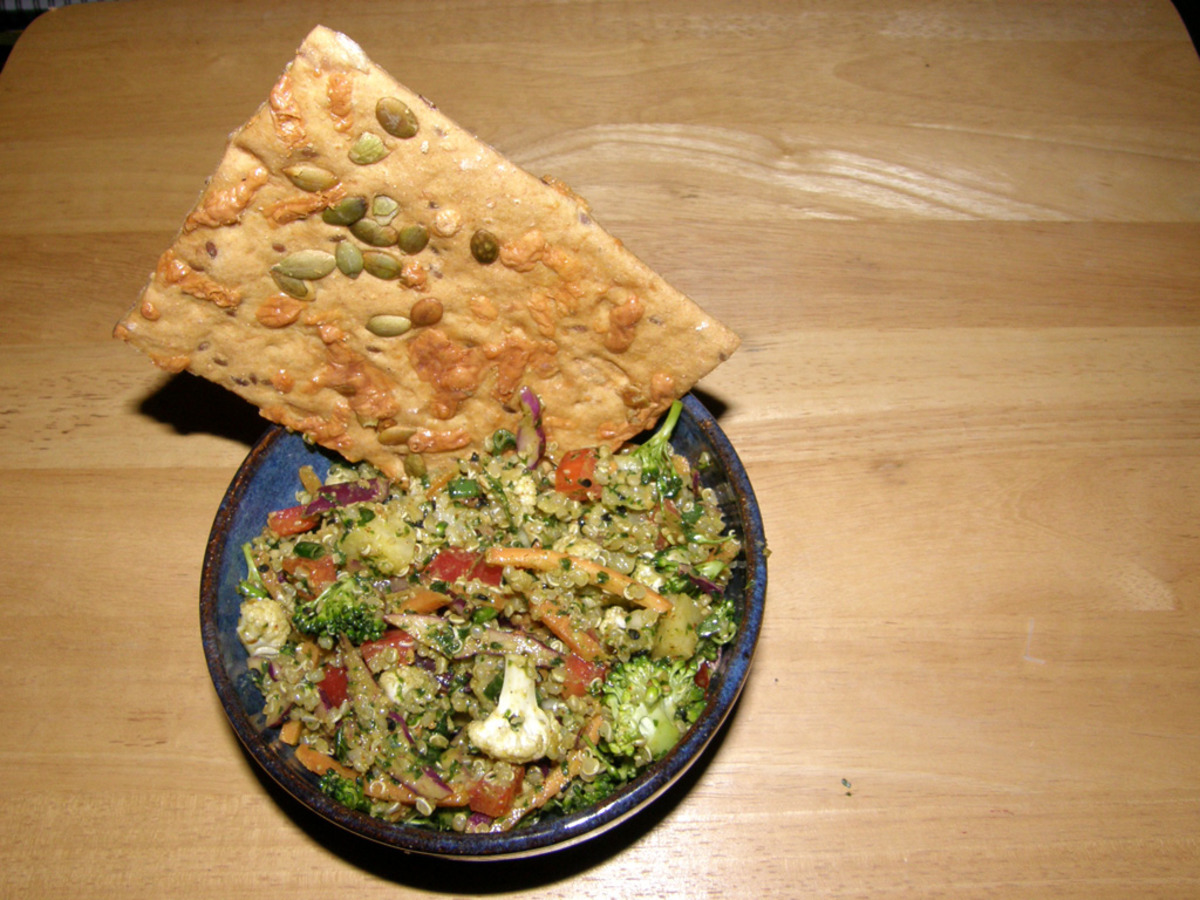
371,275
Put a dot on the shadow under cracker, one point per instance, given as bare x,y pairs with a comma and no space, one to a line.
193,405
713,404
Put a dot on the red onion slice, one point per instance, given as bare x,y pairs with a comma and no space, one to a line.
332,496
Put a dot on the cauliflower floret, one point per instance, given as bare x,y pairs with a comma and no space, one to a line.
577,545
518,731
524,492
614,618
263,626
385,540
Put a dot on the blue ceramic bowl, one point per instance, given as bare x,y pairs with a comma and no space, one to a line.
268,480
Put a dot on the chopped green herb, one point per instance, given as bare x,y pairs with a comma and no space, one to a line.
309,550
464,489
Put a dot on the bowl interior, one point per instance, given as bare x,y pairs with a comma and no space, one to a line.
268,480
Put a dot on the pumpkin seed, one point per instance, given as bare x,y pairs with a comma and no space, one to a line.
384,209
380,264
371,232
349,259
414,465
310,178
346,211
396,434
396,118
294,287
484,247
306,264
388,326
413,238
369,148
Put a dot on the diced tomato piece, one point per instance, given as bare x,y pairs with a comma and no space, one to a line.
493,797
401,641
452,564
576,474
293,520
579,674
703,675
334,686
317,573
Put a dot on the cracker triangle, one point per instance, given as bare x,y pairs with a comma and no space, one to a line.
371,275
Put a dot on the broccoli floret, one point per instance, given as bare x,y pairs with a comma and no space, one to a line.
650,702
344,607
345,791
582,793
719,626
655,456
252,585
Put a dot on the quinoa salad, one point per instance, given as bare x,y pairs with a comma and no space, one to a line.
509,640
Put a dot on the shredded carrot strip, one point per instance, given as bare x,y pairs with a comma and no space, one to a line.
603,577
289,732
591,731
580,642
318,763
422,600
385,789
441,481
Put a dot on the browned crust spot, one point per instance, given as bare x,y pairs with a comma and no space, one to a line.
224,206
172,271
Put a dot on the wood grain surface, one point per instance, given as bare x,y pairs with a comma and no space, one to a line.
960,241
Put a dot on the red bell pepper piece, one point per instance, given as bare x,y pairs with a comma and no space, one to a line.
452,564
494,798
293,520
334,686
401,641
579,674
317,574
576,474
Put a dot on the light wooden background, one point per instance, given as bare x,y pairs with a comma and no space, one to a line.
961,243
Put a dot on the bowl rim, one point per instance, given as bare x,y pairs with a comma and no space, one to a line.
550,835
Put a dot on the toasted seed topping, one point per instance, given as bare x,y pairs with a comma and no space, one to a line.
426,311
484,247
310,178
349,259
292,286
346,211
380,264
396,434
384,209
388,326
413,238
306,264
396,118
369,148
371,232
